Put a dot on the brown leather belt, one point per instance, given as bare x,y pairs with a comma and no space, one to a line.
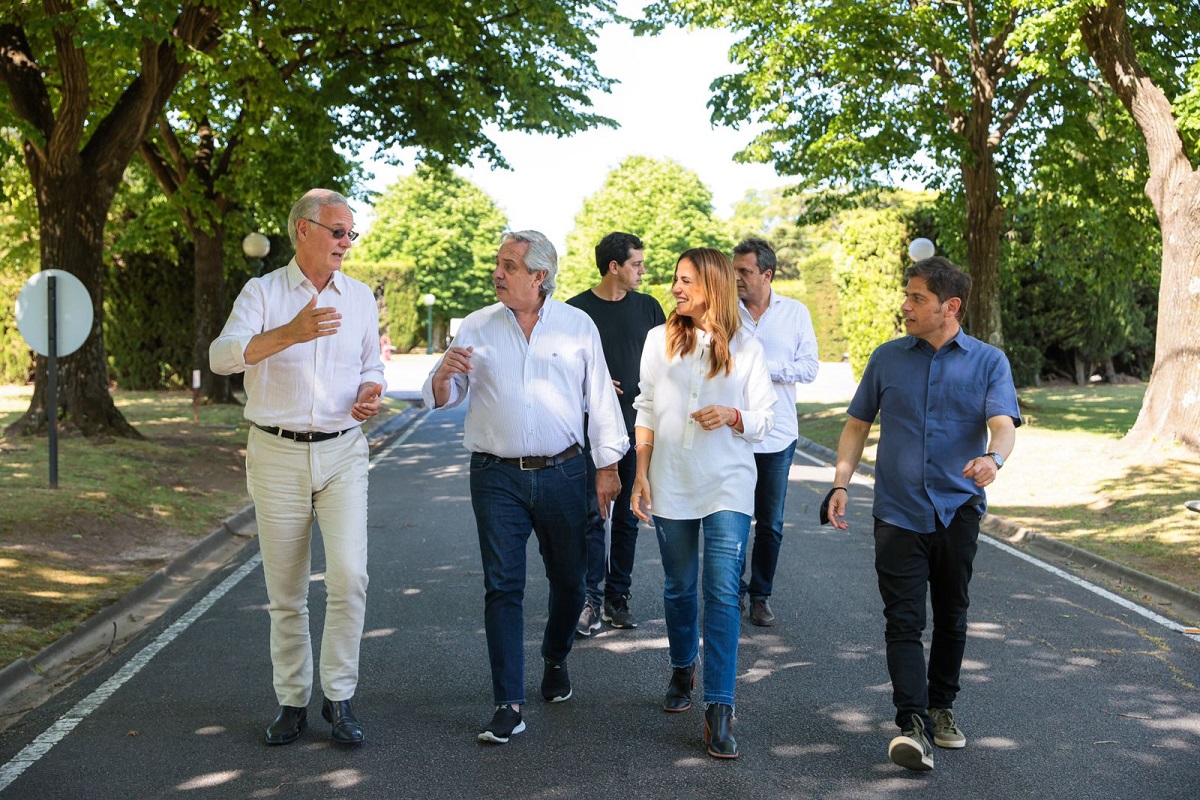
541,462
306,437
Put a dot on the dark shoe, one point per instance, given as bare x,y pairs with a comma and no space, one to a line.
911,749
718,731
679,691
743,604
589,620
556,683
287,726
505,724
946,732
346,728
617,613
761,614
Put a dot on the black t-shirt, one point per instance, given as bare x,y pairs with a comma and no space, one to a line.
623,326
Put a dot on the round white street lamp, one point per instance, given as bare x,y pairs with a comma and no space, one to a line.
255,246
921,249
428,300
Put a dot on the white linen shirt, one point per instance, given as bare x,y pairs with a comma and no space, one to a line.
309,386
527,398
694,472
785,331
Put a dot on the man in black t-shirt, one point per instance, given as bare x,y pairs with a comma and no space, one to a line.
624,317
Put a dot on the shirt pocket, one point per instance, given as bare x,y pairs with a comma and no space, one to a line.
964,402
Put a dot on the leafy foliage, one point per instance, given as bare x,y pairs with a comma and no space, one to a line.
869,273
439,232
658,200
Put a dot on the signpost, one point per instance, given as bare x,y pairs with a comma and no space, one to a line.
54,314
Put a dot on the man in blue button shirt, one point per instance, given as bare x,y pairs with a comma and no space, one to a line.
948,416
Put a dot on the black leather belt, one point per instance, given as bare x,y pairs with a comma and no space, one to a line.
541,462
307,437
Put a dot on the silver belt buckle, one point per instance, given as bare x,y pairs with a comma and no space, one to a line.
525,468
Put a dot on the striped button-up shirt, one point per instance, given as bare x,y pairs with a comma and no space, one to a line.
785,331
528,398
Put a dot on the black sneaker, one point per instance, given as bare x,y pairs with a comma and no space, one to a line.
505,724
589,620
616,613
911,749
556,683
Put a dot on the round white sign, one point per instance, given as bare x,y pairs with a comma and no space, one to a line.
74,312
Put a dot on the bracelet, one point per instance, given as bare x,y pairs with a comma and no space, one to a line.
843,488
643,444
737,418
613,468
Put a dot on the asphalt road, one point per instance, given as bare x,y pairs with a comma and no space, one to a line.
1066,693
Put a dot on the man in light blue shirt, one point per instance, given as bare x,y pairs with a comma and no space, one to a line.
948,416
784,328
529,366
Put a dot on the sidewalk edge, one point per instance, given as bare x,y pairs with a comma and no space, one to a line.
100,631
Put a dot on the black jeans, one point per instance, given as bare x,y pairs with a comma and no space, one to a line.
617,571
907,561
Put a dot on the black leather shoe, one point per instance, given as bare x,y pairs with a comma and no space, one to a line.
718,731
287,726
346,728
679,690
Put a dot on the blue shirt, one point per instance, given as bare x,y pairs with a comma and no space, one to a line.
933,409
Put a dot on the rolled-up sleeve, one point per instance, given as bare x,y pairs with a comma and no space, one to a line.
759,415
607,435
227,353
458,389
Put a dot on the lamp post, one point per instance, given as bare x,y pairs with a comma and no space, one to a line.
256,246
428,300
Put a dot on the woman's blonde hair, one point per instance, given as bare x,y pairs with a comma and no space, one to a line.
716,275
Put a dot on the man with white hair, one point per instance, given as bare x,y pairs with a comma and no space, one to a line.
307,338
528,367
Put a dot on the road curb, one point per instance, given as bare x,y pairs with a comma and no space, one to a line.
103,629
1000,528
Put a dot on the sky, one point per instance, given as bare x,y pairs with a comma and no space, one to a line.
660,103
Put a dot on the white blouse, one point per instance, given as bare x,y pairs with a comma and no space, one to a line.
694,472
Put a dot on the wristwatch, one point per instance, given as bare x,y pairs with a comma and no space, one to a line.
999,459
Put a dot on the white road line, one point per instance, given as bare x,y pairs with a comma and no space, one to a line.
1091,587
1075,579
67,722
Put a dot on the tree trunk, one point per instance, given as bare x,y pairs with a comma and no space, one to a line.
985,218
1171,406
209,265
71,229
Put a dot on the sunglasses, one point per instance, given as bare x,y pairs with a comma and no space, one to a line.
338,233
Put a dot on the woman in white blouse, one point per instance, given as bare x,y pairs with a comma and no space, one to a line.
705,397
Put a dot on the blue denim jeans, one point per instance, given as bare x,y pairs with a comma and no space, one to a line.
725,534
618,575
508,503
909,563
769,495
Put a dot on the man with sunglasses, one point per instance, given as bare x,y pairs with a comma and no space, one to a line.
307,338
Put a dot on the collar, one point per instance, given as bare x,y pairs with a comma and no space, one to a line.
296,278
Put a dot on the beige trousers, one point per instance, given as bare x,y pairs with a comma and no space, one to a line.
291,483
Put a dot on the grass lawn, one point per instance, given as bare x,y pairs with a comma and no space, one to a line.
122,509
1071,478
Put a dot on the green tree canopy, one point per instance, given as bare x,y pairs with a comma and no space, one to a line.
84,82
447,230
658,200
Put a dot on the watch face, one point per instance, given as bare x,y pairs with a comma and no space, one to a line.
999,459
